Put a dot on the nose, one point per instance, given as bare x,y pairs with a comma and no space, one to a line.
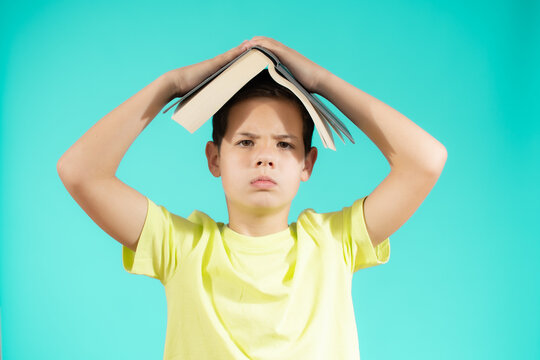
265,157
265,161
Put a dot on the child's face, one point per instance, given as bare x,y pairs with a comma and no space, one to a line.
243,158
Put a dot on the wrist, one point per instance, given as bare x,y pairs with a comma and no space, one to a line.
171,81
321,80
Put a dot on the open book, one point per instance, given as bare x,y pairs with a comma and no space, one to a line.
203,101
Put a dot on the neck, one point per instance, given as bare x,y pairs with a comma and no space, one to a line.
261,223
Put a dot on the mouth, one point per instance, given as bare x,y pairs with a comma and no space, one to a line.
263,182
263,179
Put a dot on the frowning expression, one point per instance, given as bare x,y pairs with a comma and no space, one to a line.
263,139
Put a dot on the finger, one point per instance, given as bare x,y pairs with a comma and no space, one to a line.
234,52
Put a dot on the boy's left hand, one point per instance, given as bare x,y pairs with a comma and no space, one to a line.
304,70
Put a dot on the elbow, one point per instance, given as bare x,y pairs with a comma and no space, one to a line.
437,161
430,163
62,170
65,171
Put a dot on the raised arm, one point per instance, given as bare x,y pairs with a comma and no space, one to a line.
416,158
88,168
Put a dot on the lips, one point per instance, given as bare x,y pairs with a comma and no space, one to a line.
263,178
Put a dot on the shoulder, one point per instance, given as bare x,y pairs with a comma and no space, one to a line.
200,217
310,214
333,221
161,214
310,219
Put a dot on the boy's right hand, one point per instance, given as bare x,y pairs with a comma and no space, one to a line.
186,78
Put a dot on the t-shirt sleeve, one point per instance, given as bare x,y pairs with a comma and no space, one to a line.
158,250
349,225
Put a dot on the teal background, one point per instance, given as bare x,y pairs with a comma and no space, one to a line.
463,278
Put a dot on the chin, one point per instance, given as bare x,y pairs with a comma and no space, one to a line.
264,206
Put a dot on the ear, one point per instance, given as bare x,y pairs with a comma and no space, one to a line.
213,158
309,162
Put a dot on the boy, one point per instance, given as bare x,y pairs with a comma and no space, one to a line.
255,288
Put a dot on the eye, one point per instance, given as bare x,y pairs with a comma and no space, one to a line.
243,142
287,145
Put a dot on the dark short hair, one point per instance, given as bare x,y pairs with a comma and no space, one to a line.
262,85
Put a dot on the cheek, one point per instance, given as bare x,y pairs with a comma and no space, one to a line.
294,173
231,174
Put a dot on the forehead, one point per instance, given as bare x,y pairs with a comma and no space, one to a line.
264,115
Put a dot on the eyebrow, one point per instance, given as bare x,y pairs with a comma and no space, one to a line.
253,136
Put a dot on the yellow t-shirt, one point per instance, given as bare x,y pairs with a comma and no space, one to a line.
281,296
